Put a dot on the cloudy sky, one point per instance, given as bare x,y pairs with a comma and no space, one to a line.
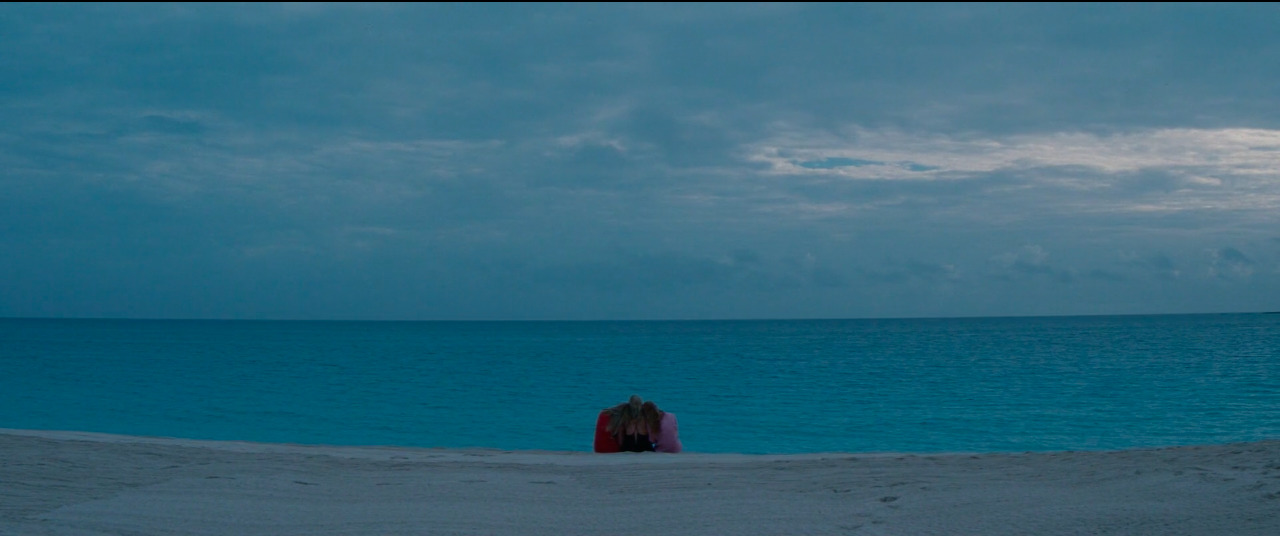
488,161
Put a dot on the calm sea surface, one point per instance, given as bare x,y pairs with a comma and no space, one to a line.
989,384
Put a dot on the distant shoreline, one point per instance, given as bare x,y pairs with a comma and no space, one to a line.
615,320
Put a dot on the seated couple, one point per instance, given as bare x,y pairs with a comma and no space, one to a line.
637,426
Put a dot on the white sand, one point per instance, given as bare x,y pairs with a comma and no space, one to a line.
70,483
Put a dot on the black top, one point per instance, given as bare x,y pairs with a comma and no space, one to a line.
636,443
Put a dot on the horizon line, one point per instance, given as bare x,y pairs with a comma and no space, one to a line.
603,320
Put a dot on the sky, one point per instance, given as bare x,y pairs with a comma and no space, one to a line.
638,161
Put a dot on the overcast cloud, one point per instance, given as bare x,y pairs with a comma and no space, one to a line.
579,161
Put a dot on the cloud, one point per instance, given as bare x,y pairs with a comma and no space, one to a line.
1106,275
738,277
1229,263
1202,154
1157,264
832,163
1148,178
798,158
914,271
1030,261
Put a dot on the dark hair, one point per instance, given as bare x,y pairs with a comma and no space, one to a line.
652,416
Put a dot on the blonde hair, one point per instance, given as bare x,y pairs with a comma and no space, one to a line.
625,416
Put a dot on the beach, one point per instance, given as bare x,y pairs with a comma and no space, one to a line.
75,483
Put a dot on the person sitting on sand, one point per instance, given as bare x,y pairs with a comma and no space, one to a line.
622,428
662,428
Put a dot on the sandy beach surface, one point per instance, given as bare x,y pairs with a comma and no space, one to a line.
72,483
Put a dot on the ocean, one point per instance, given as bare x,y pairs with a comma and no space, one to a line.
767,386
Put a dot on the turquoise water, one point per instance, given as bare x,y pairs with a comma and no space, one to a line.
987,384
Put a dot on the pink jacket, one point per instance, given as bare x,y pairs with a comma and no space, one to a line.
667,439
